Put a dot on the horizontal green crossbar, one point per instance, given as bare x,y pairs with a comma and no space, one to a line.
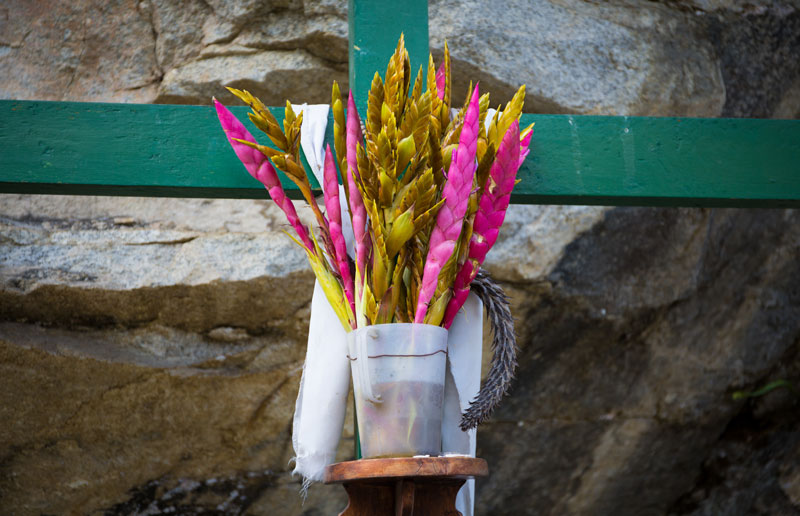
180,151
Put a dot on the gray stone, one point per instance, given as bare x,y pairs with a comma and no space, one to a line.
578,57
622,388
271,75
177,28
182,263
90,51
757,52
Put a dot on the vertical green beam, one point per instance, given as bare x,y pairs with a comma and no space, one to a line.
375,26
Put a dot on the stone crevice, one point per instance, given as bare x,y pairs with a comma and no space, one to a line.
76,70
147,6
176,241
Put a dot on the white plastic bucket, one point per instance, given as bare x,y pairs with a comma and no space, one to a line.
398,380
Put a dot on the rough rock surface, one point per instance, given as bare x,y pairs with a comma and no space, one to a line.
626,57
150,348
632,346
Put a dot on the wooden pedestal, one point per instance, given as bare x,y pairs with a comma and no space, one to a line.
404,486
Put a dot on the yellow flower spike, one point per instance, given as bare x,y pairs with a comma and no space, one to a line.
436,103
403,96
339,136
268,122
294,169
417,90
295,142
330,285
374,104
393,77
289,116
444,114
333,292
524,133
511,112
422,125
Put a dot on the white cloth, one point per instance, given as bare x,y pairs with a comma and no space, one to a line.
321,402
463,381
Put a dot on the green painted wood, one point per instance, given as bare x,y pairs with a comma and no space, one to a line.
180,151
82,148
374,28
645,161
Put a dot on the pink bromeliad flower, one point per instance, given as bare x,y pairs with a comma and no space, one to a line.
260,168
451,216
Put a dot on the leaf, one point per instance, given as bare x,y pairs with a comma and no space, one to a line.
484,166
386,307
402,230
370,305
405,151
424,220
771,386
266,151
436,102
437,308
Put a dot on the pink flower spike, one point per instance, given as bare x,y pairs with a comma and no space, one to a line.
260,168
450,217
357,208
440,79
523,147
334,215
489,217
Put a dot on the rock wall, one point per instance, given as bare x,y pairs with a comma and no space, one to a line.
150,349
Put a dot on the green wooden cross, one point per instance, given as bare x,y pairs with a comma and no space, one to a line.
180,151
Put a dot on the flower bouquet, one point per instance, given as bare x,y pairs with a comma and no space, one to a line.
425,189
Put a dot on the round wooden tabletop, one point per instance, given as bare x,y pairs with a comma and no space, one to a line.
406,467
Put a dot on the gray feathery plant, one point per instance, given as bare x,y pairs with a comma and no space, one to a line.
504,351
